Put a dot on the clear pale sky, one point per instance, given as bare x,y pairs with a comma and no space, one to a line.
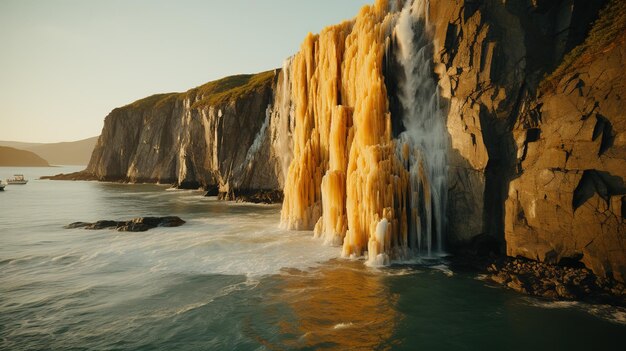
65,64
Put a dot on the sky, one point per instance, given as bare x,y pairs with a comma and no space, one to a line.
65,64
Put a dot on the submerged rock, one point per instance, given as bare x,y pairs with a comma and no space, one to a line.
139,224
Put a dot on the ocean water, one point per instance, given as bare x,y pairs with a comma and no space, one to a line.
230,279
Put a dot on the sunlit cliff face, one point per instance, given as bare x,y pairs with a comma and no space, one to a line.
350,180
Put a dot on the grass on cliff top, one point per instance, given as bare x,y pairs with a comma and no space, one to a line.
213,93
230,88
607,31
150,101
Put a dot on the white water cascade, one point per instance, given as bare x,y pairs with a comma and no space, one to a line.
423,145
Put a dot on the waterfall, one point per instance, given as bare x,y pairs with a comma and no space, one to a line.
258,140
423,145
349,179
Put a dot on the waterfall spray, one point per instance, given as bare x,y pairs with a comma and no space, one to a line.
422,146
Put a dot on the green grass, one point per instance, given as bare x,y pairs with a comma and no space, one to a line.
607,31
213,93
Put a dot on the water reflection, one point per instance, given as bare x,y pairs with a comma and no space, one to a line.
341,305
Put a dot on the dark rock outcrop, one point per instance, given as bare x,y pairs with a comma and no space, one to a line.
139,224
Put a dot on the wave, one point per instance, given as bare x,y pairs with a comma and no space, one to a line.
614,314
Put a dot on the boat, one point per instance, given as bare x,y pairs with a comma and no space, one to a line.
17,179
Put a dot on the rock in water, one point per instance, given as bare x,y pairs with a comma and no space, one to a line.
139,224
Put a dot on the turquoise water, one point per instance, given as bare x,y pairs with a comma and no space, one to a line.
230,279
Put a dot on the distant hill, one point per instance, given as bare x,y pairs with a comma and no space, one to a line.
66,153
10,157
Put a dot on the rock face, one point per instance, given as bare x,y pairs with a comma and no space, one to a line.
544,167
569,203
490,57
216,135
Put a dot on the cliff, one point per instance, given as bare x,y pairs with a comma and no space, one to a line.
10,157
213,136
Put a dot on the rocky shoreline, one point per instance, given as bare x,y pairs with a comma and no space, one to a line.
262,196
538,279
